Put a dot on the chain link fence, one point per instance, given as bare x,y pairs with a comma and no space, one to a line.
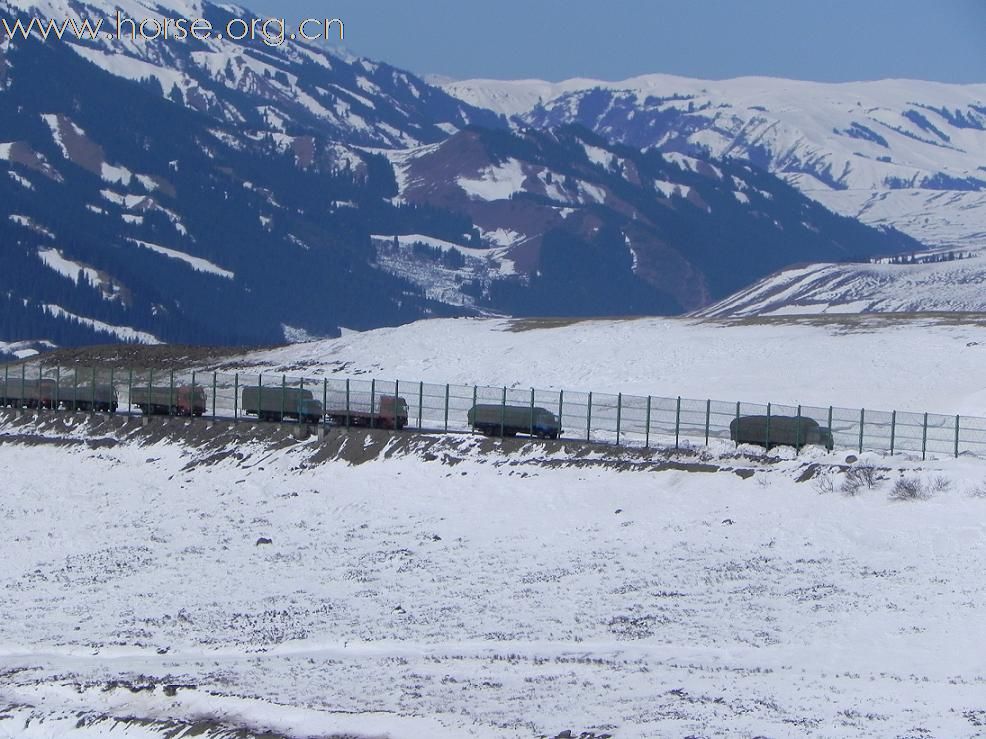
629,420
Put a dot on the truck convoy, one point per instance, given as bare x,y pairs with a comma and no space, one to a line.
367,409
495,419
46,393
357,409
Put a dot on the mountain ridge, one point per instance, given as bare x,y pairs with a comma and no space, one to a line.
881,151
209,211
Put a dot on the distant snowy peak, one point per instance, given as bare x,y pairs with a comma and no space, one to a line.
512,97
892,133
839,143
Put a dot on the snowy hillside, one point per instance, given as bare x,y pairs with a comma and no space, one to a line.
899,152
157,190
284,87
931,363
250,194
575,225
949,286
190,579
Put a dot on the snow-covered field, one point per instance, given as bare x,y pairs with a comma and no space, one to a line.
468,593
930,363
429,586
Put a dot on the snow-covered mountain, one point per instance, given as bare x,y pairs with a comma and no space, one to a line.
165,222
264,88
199,190
895,152
934,282
212,191
593,228
159,222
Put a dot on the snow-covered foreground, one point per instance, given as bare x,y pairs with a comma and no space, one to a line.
446,588
876,362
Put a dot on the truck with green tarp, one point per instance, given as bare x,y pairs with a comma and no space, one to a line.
87,397
165,400
497,419
28,393
771,431
366,409
279,403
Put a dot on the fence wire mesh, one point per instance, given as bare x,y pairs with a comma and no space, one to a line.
629,420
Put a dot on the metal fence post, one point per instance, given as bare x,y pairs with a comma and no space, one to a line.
347,404
893,431
956,436
677,422
130,390
421,401
236,397
924,438
647,430
373,400
171,395
862,422
797,433
325,402
214,385
284,398
6,383
58,385
619,416
561,405
24,380
503,409
830,427
588,420
475,392
112,394
708,415
767,439
737,434
92,407
191,399
260,398
532,412
446,406
397,394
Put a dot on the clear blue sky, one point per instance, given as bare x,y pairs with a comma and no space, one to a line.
829,40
